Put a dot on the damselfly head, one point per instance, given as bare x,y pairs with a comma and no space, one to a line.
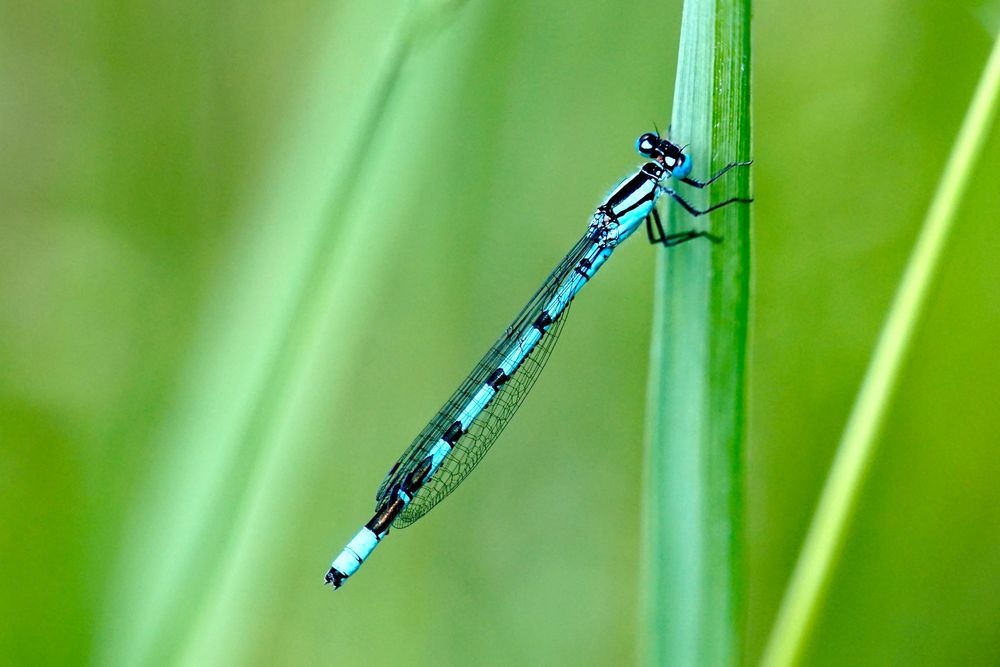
664,151
682,169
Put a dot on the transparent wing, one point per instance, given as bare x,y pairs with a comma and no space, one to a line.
421,445
483,431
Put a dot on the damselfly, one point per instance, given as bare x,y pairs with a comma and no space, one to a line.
458,436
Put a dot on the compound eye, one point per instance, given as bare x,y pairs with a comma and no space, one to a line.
647,143
683,166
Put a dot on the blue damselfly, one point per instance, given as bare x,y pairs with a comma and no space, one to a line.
458,436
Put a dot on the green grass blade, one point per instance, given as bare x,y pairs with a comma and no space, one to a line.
252,346
826,534
693,580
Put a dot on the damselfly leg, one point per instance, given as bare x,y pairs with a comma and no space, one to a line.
700,184
657,235
695,212
653,219
459,435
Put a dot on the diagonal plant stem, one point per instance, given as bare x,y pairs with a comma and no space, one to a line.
198,508
693,580
825,538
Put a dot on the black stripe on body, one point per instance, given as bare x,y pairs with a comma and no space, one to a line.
417,476
647,176
542,321
497,379
625,190
453,433
380,523
648,197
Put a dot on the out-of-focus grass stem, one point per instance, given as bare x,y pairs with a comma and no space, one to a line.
693,580
825,537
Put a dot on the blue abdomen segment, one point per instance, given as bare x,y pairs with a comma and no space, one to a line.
505,375
457,438
470,416
630,220
629,202
353,555
476,405
479,419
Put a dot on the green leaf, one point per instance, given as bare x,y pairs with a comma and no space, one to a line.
694,580
826,534
259,328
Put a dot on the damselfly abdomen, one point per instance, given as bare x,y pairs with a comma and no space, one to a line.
458,436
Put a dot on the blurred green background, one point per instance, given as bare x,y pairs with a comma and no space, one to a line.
225,309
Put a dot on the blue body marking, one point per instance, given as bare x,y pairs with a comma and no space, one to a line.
460,434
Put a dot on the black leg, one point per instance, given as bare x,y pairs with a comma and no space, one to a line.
695,212
669,240
684,237
651,219
700,184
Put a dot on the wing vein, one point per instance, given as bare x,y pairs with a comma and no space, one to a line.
488,425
